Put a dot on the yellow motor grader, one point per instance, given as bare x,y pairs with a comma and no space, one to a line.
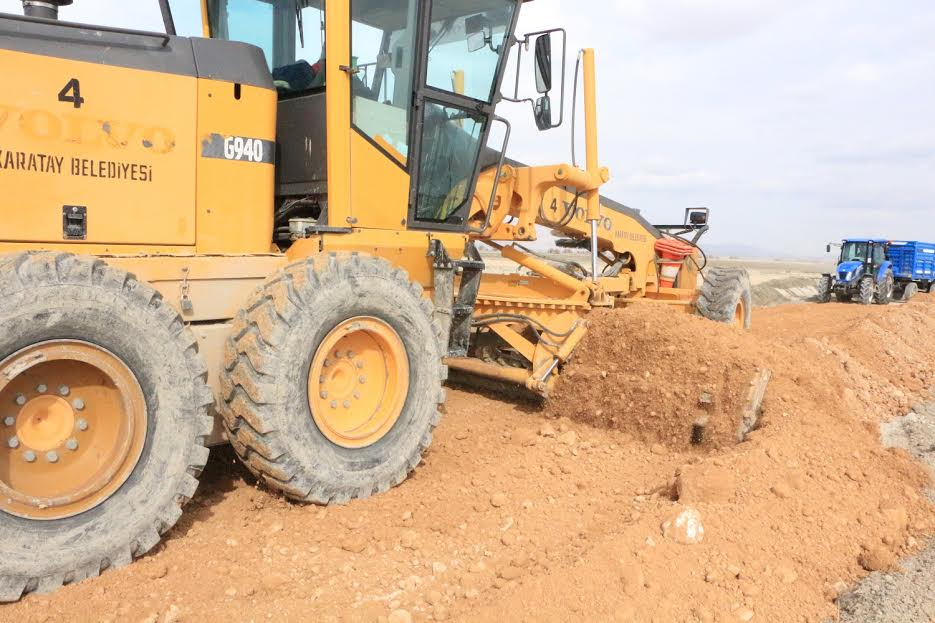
278,223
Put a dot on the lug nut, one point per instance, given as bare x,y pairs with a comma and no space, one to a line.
350,354
21,400
347,404
63,390
13,442
362,379
42,388
78,404
334,404
72,444
327,363
337,354
324,395
9,420
82,424
29,456
356,395
360,365
51,456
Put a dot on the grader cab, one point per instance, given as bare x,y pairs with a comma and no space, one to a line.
278,224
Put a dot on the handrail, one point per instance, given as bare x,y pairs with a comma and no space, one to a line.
113,29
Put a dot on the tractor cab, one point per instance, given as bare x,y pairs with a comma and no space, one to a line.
395,115
860,257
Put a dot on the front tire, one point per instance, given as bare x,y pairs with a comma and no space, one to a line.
824,289
333,378
105,403
726,296
865,291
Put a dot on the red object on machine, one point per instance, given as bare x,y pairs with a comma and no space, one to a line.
672,254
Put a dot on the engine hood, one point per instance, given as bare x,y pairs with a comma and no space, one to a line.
846,267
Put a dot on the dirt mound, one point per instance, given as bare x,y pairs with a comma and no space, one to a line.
656,373
515,516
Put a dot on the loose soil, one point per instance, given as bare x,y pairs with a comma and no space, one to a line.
519,515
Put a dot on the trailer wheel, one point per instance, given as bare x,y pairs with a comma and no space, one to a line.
910,291
104,402
824,289
865,291
883,292
726,296
333,378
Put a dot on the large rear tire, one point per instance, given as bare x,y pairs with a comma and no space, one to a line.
883,292
333,378
105,401
726,296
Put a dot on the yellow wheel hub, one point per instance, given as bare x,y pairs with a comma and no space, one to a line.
358,382
72,428
740,314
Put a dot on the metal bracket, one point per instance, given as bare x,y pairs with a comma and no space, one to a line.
185,299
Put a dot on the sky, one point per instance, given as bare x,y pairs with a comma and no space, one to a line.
797,122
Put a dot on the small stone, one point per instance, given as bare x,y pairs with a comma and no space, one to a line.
510,573
231,592
172,615
781,490
498,500
684,526
658,449
409,539
158,571
400,616
787,575
508,539
744,614
877,559
354,544
461,435
525,437
546,430
569,438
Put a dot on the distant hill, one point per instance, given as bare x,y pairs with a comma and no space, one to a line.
750,251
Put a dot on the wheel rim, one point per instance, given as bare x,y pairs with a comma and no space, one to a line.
358,382
740,314
72,428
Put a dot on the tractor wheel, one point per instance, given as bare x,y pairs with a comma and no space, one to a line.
865,291
883,292
726,297
103,399
333,378
824,289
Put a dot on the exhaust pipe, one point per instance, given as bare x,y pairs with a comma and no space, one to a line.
46,9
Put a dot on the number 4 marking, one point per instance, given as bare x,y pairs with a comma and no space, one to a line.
75,87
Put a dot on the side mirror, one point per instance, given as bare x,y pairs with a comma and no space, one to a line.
697,217
543,110
544,63
828,249
476,41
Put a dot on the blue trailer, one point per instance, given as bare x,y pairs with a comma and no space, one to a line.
913,267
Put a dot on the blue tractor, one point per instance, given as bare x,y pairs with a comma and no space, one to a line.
864,274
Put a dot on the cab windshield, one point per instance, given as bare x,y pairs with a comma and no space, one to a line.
855,251
291,34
